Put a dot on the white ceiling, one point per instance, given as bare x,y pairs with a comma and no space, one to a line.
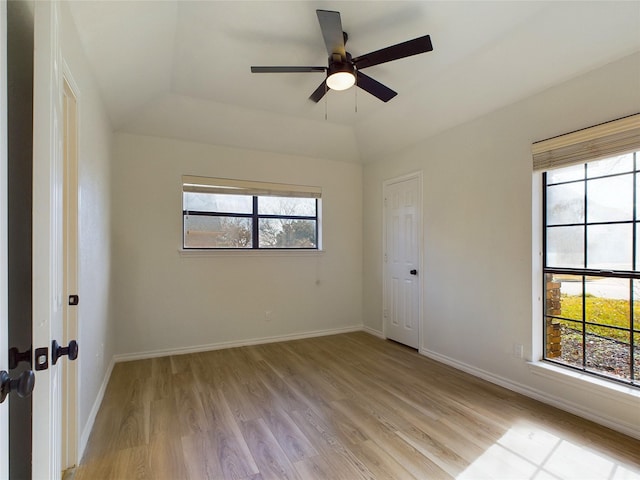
180,69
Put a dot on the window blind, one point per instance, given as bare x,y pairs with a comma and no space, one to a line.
246,187
601,141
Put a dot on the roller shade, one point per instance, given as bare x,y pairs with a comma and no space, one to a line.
246,187
601,141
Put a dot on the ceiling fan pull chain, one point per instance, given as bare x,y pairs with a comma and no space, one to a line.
325,101
356,94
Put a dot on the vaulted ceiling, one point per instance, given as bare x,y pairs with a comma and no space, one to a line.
180,69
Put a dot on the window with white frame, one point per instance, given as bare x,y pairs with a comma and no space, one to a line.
591,249
220,213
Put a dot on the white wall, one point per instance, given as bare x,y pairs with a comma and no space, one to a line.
95,330
478,234
166,301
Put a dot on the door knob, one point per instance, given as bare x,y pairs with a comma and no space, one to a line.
413,272
57,351
16,356
23,385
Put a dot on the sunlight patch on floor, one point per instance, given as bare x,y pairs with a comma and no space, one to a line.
527,452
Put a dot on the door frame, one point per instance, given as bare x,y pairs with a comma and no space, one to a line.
47,237
386,184
4,285
69,440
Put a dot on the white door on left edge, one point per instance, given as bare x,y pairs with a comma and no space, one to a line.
401,260
47,237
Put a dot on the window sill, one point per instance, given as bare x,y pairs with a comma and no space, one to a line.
249,253
588,383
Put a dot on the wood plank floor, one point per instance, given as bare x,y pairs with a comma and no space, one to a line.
347,407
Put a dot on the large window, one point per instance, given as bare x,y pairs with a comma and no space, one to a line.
234,214
592,266
591,249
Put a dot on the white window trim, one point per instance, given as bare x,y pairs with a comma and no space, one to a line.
538,366
249,252
586,382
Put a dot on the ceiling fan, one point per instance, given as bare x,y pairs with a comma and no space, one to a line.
343,70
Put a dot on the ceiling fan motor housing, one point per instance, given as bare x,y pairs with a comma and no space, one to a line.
338,64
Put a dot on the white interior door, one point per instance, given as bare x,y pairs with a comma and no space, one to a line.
402,291
47,237
4,407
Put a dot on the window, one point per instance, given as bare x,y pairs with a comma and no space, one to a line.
591,254
234,214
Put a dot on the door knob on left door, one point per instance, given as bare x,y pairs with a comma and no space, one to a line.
23,385
16,356
57,351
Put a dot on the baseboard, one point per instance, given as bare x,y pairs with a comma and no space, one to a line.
536,394
126,357
88,427
373,331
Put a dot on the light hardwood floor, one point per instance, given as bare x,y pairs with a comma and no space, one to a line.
347,407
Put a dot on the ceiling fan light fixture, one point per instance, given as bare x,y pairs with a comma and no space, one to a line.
341,76
341,81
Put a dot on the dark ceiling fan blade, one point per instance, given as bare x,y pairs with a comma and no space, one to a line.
394,52
331,27
319,92
374,87
287,69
